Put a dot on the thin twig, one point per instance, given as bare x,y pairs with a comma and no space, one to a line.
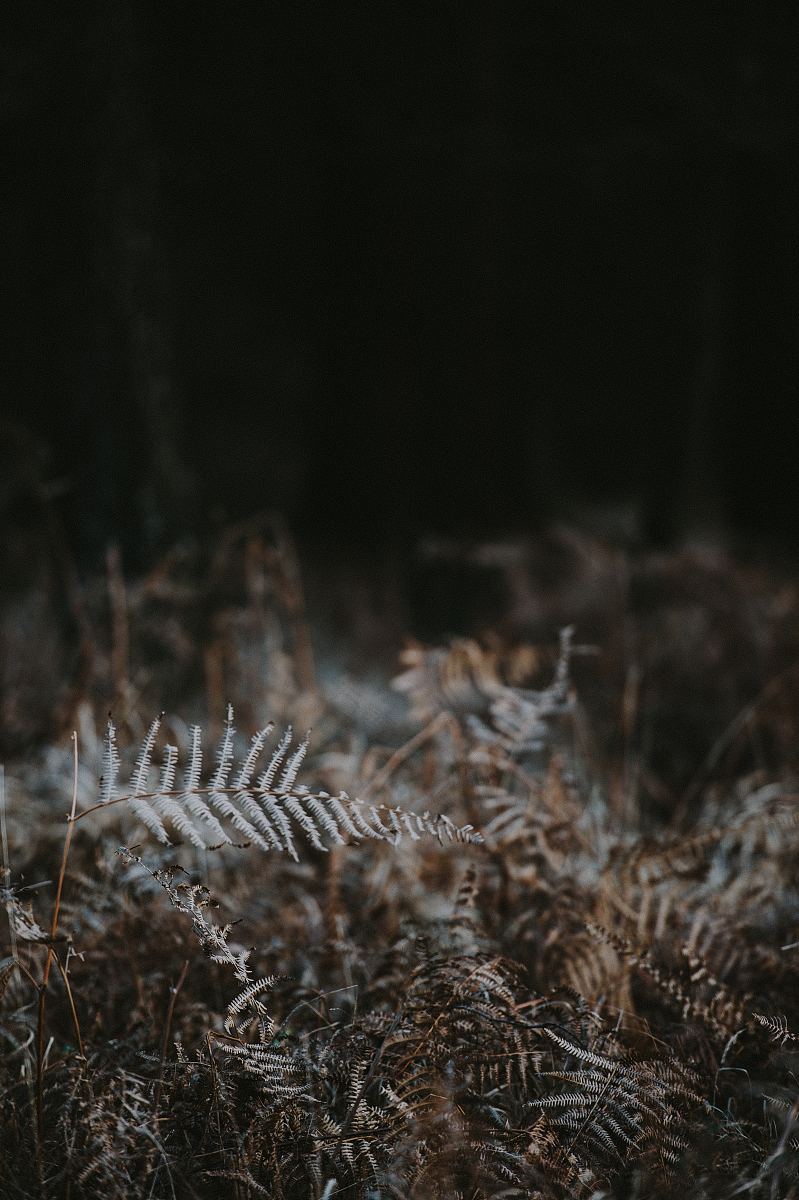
170,1013
41,1015
73,1010
444,720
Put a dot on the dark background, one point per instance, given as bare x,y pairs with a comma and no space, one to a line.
397,271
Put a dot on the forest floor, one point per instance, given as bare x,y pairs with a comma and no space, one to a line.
518,917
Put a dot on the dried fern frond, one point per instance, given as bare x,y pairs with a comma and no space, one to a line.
282,1076
248,1000
777,1028
615,1110
467,679
192,899
20,916
267,813
7,966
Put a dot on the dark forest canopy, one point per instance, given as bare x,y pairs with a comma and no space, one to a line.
384,270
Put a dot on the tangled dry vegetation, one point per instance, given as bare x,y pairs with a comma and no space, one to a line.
528,927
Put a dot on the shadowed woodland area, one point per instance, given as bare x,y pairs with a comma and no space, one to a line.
395,274
399,618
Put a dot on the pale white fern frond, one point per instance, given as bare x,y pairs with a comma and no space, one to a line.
224,755
194,766
273,766
244,777
141,771
292,767
168,769
248,999
111,764
268,814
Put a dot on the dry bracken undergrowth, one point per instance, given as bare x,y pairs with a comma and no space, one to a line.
473,956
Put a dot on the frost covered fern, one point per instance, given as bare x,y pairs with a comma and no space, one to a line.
266,807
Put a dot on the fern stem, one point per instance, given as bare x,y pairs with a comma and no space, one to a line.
42,1007
73,1010
175,794
173,999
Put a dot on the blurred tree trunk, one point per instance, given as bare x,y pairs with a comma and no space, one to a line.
699,502
126,384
